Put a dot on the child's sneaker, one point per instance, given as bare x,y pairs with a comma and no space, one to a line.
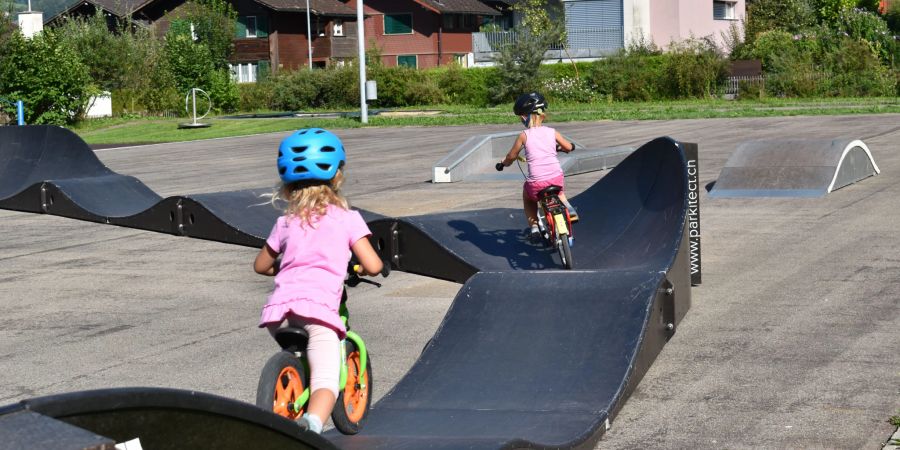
310,423
573,215
535,235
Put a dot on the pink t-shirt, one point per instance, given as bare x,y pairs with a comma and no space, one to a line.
313,266
540,151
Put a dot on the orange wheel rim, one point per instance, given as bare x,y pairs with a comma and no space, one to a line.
287,390
356,392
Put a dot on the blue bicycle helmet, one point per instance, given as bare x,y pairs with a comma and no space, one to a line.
310,154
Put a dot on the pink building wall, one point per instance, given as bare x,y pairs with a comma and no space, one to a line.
676,20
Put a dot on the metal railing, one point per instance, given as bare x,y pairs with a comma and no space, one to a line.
733,84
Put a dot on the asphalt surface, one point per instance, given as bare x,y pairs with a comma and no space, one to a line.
791,342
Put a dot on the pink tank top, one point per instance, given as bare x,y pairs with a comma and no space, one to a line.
540,151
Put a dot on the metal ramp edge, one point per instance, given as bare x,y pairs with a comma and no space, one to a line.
473,160
794,168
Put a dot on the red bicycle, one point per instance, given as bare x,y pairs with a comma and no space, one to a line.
554,222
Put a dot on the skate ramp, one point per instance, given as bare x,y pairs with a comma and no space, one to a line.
474,159
633,201
527,355
544,358
161,419
33,155
794,168
48,169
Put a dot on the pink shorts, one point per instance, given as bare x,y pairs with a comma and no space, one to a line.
533,187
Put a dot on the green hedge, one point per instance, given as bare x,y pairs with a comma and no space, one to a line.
814,66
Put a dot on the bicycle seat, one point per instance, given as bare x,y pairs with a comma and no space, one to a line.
291,338
549,190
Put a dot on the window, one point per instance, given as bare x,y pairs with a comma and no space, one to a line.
398,23
244,72
458,22
338,27
407,60
723,10
251,27
451,21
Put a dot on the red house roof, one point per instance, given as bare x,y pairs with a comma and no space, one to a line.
319,7
459,7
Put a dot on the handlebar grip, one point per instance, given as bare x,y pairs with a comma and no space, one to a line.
499,167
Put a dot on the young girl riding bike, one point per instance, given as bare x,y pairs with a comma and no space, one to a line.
314,239
541,144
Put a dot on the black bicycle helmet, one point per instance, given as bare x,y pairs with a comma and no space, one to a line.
530,103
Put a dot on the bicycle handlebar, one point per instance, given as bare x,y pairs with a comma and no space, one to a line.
354,278
499,167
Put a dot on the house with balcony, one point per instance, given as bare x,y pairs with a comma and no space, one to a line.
424,33
273,35
599,28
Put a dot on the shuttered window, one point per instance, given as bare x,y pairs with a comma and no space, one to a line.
592,24
251,27
723,10
398,24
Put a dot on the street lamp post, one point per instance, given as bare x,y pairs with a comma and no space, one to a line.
360,31
308,36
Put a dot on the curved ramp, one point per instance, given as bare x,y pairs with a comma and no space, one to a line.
527,356
47,169
794,168
160,418
543,359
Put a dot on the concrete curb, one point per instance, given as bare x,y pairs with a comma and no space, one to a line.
894,442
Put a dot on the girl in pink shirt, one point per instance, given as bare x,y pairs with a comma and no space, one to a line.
540,144
315,238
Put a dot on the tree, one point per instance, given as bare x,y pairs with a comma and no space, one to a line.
519,64
115,59
829,11
47,75
791,16
192,66
520,60
536,18
214,24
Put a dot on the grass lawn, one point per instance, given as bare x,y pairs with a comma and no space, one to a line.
121,131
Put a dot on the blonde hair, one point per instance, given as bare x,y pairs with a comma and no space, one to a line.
537,118
308,200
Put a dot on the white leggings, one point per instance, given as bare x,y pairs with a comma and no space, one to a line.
323,352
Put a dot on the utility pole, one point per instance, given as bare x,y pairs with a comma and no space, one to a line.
360,31
309,36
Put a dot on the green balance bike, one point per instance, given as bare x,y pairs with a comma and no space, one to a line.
284,382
